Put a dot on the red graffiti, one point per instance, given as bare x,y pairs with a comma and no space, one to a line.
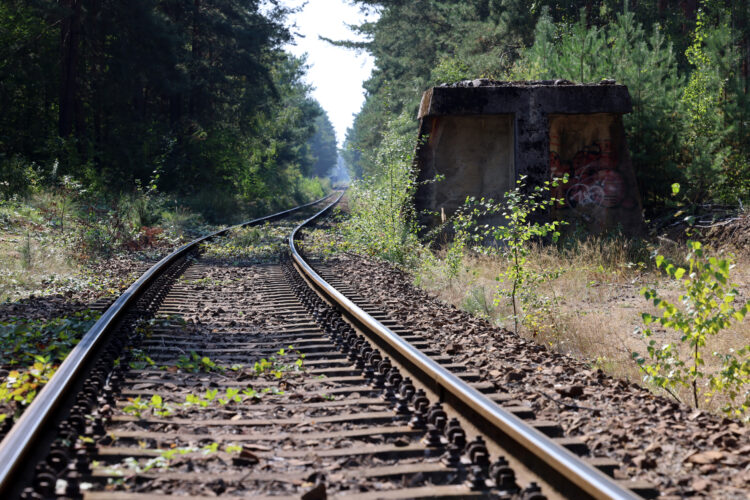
594,180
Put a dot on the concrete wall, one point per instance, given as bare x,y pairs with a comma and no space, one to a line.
482,135
476,156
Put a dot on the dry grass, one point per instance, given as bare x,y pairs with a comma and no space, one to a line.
593,309
30,253
29,263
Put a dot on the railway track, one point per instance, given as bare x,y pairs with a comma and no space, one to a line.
229,375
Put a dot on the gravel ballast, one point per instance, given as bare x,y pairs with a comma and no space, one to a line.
686,452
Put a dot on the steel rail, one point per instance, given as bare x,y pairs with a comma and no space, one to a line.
584,476
20,442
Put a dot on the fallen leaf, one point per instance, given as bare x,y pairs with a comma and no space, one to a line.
706,457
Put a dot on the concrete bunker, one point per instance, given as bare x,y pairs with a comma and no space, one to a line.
481,135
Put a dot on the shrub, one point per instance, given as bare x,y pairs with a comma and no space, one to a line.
450,70
17,177
520,209
708,307
382,221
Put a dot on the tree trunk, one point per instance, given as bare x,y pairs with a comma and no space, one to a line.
175,108
70,34
194,104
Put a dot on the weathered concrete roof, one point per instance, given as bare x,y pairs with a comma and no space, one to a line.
489,97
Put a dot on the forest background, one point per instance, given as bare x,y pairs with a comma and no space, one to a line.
194,100
199,100
684,62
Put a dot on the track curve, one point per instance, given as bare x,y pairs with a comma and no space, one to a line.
19,445
222,375
574,477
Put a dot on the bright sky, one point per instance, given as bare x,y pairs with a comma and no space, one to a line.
336,73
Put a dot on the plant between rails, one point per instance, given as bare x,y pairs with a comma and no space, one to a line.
708,308
520,229
272,367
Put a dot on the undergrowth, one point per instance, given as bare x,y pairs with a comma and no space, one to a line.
381,220
30,353
250,245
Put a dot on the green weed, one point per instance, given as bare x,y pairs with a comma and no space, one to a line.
382,222
20,387
514,239
211,396
277,367
136,406
476,302
708,307
22,340
156,404
140,360
194,363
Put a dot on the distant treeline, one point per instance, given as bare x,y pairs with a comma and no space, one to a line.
197,97
685,62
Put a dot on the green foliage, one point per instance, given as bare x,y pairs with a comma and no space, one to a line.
454,256
381,219
255,395
135,407
232,396
520,210
277,367
426,42
22,341
166,456
211,395
708,308
219,115
477,303
160,408
140,360
17,177
195,363
20,387
714,105
450,70
672,65
687,129
417,44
